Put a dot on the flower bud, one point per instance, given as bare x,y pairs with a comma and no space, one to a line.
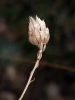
38,33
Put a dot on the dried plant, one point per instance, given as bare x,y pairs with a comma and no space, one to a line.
38,35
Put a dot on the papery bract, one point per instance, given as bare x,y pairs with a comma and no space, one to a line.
38,33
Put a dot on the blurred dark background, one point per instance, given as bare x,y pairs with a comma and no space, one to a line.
17,55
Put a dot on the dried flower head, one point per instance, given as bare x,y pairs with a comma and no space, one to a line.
38,33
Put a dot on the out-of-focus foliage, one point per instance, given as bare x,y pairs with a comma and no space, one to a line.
59,16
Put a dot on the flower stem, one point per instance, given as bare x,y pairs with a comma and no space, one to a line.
31,74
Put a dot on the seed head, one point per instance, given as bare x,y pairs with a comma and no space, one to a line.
38,33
